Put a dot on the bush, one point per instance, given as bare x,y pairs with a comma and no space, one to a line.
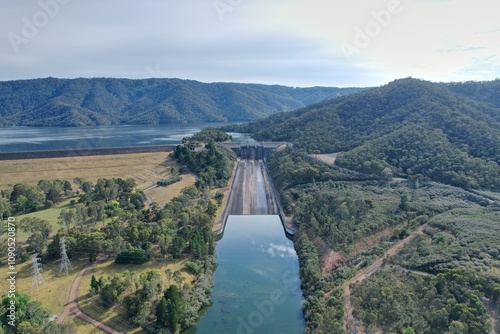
192,267
169,181
135,255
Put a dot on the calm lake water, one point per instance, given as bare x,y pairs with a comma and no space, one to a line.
257,284
18,139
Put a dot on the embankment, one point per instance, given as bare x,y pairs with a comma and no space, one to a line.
85,152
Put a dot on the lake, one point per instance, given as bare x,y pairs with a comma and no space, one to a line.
19,139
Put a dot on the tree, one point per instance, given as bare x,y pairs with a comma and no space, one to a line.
137,199
178,278
27,310
211,209
21,203
165,242
136,255
175,308
458,327
91,244
54,195
67,218
403,204
112,288
219,196
94,285
83,184
26,197
168,272
37,242
35,224
178,245
106,189
161,313
5,209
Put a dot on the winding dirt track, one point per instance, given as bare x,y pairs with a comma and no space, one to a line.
72,307
349,321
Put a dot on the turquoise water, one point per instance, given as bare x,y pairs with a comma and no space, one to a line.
257,284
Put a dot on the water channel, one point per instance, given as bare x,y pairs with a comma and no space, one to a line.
257,285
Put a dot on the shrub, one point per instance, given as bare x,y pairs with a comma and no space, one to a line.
135,255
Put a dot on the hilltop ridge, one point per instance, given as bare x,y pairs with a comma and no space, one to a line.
409,127
106,101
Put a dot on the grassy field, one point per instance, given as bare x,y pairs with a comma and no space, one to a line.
163,195
145,168
50,215
55,294
114,316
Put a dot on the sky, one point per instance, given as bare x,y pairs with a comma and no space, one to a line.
301,43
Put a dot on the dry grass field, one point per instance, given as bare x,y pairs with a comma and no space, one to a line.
140,166
145,168
54,294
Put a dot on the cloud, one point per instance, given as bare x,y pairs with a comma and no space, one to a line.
281,250
298,44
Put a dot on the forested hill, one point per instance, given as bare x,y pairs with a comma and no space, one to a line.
101,101
409,127
488,92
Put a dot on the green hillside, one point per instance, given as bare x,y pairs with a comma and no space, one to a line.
104,101
413,127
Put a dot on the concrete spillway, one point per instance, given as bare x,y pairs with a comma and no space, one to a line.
251,193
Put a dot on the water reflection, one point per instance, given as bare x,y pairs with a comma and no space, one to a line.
257,285
15,139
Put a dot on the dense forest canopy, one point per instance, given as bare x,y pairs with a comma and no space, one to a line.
443,278
105,101
413,127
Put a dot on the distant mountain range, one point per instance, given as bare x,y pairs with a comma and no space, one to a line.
446,132
104,101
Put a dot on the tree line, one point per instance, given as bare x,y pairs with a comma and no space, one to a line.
132,232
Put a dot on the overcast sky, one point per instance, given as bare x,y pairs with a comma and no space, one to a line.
288,42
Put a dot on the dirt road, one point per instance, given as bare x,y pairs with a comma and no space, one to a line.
349,321
72,307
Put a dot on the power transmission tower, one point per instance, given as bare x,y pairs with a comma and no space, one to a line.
65,263
35,271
